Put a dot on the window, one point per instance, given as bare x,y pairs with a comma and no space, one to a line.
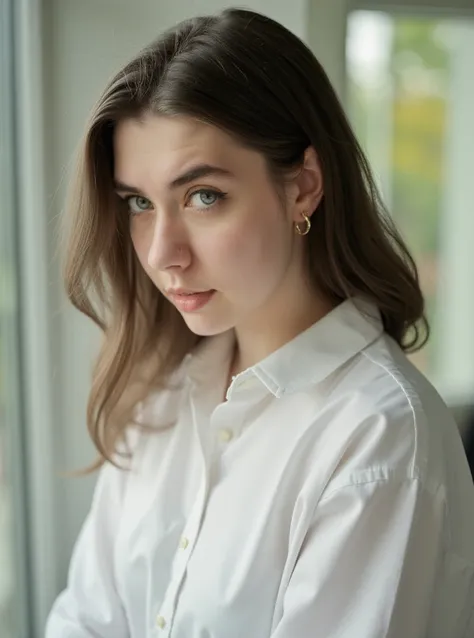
13,599
410,95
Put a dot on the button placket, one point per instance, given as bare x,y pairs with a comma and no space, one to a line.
182,556
228,419
189,536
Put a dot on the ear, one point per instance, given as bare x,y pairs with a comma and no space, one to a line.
309,188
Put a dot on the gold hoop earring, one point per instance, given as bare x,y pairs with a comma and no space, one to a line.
307,228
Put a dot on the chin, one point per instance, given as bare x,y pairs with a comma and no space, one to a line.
206,326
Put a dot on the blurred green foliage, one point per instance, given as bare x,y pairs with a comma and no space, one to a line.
418,85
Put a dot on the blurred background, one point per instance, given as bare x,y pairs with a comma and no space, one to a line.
404,71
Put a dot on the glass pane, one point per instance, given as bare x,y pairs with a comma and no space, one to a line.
411,99
13,608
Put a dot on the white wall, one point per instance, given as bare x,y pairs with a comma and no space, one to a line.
84,43
326,33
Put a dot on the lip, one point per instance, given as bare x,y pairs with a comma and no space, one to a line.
190,301
184,291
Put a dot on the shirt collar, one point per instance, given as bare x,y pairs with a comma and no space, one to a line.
314,354
307,359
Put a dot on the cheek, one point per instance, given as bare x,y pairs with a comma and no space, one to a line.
141,246
250,257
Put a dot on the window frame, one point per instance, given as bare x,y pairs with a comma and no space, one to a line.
16,470
439,7
27,28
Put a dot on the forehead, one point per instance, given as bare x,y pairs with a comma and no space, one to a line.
166,145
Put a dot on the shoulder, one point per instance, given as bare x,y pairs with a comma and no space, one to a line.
391,420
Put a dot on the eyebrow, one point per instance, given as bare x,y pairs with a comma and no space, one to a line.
196,172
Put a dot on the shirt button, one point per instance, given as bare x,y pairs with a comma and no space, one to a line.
161,622
183,543
225,435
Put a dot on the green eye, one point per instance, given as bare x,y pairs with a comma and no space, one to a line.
205,198
138,204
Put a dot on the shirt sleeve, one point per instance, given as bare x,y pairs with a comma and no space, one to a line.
368,564
90,606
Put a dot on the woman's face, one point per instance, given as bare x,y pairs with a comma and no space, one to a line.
205,218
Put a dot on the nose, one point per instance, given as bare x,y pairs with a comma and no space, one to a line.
169,247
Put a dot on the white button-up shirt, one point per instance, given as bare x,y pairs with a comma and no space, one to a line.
327,497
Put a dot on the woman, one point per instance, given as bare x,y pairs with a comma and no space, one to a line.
289,473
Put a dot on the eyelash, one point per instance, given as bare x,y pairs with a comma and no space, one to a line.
220,196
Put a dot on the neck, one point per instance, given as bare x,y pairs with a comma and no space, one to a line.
280,323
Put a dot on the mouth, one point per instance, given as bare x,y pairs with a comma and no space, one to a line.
188,301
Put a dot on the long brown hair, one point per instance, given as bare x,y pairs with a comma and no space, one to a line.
250,76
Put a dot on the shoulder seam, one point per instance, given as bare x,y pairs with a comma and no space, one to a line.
409,401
